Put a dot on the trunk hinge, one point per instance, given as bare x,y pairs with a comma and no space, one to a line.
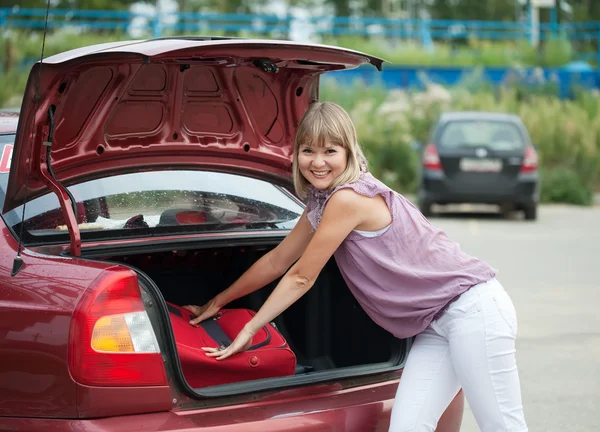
66,200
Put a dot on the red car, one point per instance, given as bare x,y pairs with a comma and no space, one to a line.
110,141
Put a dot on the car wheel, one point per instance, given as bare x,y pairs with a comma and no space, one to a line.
425,208
506,210
531,212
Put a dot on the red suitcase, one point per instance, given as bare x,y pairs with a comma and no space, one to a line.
269,356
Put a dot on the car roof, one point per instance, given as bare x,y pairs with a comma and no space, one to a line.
8,121
478,116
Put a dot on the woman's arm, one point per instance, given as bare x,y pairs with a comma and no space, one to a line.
342,214
264,271
271,265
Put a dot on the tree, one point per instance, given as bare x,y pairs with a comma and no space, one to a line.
221,6
22,3
70,4
586,10
442,9
484,10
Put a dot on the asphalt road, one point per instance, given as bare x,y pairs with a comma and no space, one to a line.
551,269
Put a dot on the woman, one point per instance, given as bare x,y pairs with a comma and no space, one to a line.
409,277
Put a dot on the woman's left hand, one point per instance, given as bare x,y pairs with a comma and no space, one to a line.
241,343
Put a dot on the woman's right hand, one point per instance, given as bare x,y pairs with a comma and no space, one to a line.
207,311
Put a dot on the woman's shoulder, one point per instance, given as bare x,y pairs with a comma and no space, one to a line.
367,184
347,194
344,196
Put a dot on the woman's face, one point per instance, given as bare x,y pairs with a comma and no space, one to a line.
320,166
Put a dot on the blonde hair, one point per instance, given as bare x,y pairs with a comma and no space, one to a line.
327,122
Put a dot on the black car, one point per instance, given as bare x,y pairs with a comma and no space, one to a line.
480,157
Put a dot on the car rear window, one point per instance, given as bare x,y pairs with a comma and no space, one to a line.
496,135
167,201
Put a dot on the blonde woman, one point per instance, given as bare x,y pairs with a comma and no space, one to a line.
409,277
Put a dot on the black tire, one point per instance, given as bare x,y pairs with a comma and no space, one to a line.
530,212
506,210
425,208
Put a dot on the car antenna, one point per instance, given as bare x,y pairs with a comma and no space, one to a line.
18,261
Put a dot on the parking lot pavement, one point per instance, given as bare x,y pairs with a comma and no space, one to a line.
551,268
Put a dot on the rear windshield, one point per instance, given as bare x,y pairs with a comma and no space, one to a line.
163,201
496,135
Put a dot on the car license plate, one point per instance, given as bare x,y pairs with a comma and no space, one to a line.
481,165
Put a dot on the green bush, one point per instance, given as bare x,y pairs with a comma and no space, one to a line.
19,50
19,47
562,185
554,52
12,86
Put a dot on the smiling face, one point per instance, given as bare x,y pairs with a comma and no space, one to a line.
326,151
322,164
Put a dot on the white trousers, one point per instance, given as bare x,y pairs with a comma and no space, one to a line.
471,345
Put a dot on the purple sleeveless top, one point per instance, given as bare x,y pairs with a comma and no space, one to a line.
404,277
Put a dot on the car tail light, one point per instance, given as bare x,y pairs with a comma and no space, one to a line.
111,341
431,159
530,160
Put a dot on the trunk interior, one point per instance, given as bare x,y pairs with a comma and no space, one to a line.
327,329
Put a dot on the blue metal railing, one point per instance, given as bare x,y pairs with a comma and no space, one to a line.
265,24
421,31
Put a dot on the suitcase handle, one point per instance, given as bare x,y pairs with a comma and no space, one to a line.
213,329
267,341
216,333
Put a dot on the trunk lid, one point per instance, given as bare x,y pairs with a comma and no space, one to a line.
481,153
481,167
219,104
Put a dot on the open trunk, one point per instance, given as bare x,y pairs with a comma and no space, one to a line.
327,329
